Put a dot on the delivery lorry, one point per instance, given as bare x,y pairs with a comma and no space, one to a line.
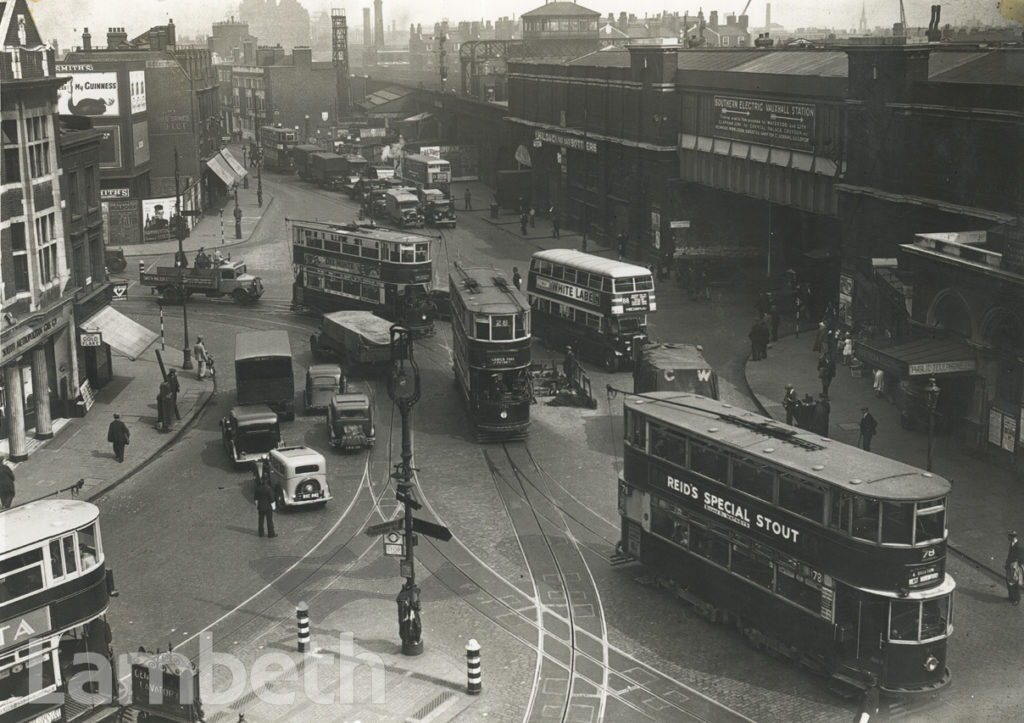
229,278
673,367
436,209
352,338
327,170
301,155
403,208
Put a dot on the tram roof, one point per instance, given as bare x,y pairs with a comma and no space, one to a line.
835,463
363,230
592,264
487,291
39,520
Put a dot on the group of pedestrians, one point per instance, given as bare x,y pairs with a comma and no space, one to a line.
807,413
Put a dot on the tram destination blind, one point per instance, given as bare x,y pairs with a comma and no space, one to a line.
827,595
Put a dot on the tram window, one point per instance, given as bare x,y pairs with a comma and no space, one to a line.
839,515
350,288
313,279
903,621
70,559
370,250
800,591
666,521
754,567
623,285
370,292
931,521
332,246
707,461
408,254
395,252
331,283
801,499
935,618
595,282
898,522
17,562
569,275
635,430
87,545
482,328
350,247
56,561
557,272
756,481
421,252
582,278
501,328
32,674
865,518
313,243
520,331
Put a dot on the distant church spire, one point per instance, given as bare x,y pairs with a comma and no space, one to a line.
863,28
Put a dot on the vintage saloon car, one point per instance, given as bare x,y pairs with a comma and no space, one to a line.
298,476
350,421
249,433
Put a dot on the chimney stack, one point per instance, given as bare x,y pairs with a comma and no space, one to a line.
116,37
86,40
713,20
367,29
744,21
378,23
171,33
767,16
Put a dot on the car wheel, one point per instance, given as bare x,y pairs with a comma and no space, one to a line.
239,296
281,503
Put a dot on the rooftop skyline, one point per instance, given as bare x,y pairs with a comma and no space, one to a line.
194,18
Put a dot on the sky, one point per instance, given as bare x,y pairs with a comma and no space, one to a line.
65,19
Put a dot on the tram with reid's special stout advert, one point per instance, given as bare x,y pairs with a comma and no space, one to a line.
491,350
817,551
56,662
598,306
364,268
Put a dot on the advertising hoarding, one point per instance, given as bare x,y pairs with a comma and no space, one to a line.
89,94
137,81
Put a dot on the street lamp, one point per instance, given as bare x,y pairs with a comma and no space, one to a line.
932,390
179,231
306,137
404,390
245,165
259,161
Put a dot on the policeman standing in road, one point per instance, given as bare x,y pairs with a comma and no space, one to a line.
265,504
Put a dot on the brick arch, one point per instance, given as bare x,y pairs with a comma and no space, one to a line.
949,310
1002,328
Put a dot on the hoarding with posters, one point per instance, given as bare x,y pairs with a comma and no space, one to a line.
157,215
121,222
89,94
137,81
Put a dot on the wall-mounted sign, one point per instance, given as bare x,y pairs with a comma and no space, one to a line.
91,338
565,140
120,293
760,120
108,193
89,94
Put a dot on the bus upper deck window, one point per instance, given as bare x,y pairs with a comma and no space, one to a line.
556,272
644,283
623,285
569,275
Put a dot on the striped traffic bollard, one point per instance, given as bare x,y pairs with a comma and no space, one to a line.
473,680
142,268
302,616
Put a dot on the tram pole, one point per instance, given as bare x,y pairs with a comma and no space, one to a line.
404,390
179,231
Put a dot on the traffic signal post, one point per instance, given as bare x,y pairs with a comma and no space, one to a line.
404,390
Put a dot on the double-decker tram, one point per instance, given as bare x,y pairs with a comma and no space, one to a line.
53,601
276,145
491,340
597,305
364,268
816,550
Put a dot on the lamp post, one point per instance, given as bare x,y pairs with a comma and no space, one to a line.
932,390
306,137
404,390
586,208
238,216
179,231
259,162
245,165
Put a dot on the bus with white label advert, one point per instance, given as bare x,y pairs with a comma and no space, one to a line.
598,306
815,550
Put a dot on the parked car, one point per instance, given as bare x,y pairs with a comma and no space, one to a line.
298,476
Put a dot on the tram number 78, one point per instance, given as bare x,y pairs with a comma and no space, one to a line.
928,554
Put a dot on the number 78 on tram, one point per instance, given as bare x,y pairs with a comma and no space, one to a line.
822,552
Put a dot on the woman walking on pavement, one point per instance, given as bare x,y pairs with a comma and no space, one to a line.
1014,568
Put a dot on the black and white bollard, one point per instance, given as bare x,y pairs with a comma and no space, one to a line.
142,267
474,682
302,616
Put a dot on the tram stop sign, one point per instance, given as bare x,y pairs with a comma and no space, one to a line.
394,544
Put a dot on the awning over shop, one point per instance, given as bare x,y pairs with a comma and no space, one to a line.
120,332
218,165
918,358
236,167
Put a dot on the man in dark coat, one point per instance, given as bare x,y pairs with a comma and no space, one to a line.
822,410
868,428
1014,568
789,403
175,386
118,435
826,372
265,507
6,484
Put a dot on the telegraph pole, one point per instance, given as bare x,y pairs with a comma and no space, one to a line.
179,231
259,161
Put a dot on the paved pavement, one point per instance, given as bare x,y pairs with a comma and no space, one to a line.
983,506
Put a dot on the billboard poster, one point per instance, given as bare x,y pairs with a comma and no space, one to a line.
110,146
157,215
765,121
89,94
140,142
137,81
122,225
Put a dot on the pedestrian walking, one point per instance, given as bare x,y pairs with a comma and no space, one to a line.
569,363
265,505
759,336
555,223
118,435
468,197
523,220
175,386
517,280
1014,566
847,350
533,217
164,407
826,372
199,355
821,336
822,410
211,371
789,403
879,383
868,428
6,485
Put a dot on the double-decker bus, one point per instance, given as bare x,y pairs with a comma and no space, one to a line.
355,267
55,656
263,371
597,305
816,550
491,349
427,172
276,145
